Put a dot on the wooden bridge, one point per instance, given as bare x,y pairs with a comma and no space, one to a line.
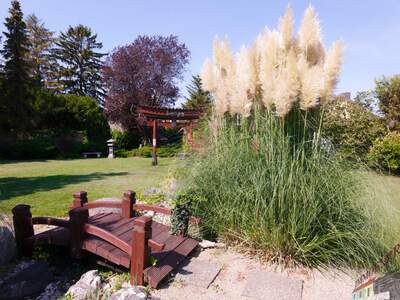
125,239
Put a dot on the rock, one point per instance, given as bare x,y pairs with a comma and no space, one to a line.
205,244
99,210
86,286
197,272
128,292
28,279
52,291
152,191
149,214
8,248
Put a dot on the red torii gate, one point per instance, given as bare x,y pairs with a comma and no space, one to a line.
168,118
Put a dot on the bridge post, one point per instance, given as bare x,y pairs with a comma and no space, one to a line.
140,256
22,219
77,218
128,200
80,198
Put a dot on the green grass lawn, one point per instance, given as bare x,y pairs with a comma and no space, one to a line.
387,187
48,185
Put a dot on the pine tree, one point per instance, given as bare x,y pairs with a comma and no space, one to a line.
79,64
198,98
41,40
17,106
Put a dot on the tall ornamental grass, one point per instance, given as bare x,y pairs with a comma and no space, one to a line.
268,178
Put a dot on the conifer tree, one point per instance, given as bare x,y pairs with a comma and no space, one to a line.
79,63
17,106
41,40
198,97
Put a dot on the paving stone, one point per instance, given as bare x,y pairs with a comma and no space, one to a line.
267,285
197,272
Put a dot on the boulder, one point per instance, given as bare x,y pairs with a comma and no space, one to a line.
27,279
52,291
205,244
152,191
7,241
87,285
128,292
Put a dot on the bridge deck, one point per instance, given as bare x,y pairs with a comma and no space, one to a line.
176,248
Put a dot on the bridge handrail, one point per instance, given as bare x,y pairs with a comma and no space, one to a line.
108,237
125,204
103,203
50,221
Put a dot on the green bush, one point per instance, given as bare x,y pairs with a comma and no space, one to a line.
125,153
39,146
58,116
351,128
266,184
163,151
385,153
145,151
126,140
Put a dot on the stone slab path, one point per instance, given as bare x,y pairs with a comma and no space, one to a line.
243,278
267,285
198,272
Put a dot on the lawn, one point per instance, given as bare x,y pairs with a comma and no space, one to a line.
48,185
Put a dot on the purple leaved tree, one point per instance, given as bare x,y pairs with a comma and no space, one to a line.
144,72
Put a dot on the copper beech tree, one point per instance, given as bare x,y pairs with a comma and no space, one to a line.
144,72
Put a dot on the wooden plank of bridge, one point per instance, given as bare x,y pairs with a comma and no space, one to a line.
124,227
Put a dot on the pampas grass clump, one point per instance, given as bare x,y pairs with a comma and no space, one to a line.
267,179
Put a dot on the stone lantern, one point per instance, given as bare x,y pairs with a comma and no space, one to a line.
110,144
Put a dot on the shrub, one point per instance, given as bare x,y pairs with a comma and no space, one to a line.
385,153
126,140
59,119
39,146
163,151
351,128
125,153
145,151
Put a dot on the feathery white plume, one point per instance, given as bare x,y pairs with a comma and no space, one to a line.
310,30
286,28
312,83
268,47
221,101
208,75
310,37
223,57
287,85
332,66
245,84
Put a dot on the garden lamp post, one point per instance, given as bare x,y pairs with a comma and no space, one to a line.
110,144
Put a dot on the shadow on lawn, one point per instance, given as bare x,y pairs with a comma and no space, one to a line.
18,186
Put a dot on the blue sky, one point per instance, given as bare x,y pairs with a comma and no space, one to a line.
370,29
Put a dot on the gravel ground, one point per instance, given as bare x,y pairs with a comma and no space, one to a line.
231,281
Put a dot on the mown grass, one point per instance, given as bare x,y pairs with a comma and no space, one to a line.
48,185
